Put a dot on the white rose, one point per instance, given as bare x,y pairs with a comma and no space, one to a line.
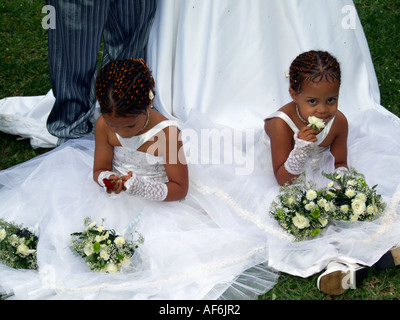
311,195
111,268
119,241
2,234
316,123
301,221
322,202
358,206
24,250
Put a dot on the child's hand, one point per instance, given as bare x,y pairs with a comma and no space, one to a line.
118,184
126,178
308,134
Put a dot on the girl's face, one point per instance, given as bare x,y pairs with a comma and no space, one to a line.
126,127
318,99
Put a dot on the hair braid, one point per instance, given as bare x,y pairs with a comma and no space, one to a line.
313,66
123,87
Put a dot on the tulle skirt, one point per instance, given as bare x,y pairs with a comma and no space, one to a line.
373,150
186,254
218,243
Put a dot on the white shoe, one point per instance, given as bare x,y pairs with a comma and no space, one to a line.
340,276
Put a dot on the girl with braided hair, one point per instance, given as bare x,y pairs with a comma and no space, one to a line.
315,79
125,91
192,247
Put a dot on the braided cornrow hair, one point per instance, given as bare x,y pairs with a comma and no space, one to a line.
313,66
125,87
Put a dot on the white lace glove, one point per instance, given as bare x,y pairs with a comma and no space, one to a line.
298,157
151,190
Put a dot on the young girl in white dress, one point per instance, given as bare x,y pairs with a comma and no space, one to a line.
315,79
190,250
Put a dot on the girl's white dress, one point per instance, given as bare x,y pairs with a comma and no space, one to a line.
186,253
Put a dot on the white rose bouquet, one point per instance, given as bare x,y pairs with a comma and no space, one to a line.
17,246
353,198
301,210
103,250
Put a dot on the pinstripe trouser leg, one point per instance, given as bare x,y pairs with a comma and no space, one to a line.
73,48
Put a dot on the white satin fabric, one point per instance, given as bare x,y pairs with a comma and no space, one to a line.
220,65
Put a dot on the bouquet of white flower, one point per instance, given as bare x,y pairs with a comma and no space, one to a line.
301,209
353,198
17,246
104,250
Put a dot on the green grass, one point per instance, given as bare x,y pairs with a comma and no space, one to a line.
24,72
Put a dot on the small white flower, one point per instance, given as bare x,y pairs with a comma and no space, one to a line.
344,208
361,196
322,202
2,234
310,206
119,241
100,229
88,250
350,193
14,240
104,255
323,222
311,195
316,123
93,224
351,183
291,200
354,217
370,209
301,221
126,261
330,184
